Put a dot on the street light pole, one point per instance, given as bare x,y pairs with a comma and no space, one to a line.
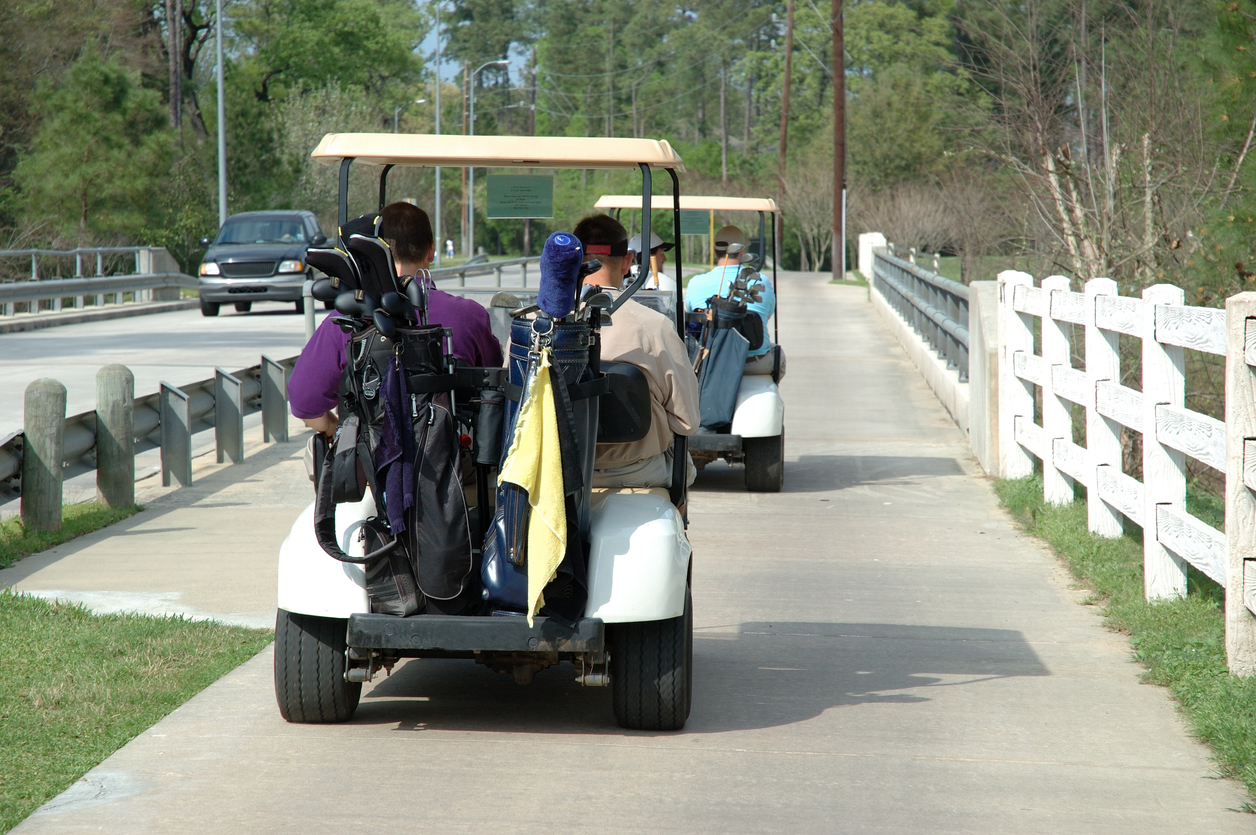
437,237
397,110
222,125
471,194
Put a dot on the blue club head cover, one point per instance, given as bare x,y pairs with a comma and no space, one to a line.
560,273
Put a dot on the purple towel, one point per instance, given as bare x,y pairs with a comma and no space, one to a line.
394,457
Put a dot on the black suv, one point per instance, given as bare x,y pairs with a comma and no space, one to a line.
258,257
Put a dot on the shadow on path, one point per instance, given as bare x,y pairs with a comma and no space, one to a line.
761,676
822,473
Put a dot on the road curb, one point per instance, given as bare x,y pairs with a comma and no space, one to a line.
52,320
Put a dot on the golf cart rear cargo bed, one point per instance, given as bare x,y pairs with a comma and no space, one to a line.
465,634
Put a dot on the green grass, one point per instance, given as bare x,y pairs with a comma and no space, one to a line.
1181,643
77,687
858,281
76,519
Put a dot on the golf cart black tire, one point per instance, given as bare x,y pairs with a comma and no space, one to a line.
209,308
243,307
329,305
765,463
301,306
310,662
652,672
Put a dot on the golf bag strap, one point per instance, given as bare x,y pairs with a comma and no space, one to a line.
325,512
576,391
466,377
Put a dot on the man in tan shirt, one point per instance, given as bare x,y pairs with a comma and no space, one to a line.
648,340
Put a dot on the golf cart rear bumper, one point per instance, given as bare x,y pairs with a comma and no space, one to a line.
711,442
445,633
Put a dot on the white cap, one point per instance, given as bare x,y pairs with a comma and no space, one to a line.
634,243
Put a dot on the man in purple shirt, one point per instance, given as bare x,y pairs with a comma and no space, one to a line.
316,378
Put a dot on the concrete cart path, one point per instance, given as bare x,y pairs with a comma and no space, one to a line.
877,651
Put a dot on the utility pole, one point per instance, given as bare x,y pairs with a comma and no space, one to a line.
466,242
174,44
839,145
439,239
780,170
222,124
723,124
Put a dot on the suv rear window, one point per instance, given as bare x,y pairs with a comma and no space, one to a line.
262,231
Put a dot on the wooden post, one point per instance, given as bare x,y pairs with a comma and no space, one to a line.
44,426
1016,397
1103,435
1057,420
1240,481
1164,468
115,436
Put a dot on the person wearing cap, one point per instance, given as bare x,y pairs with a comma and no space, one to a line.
648,340
730,243
658,279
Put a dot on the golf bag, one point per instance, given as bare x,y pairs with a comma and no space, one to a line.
399,436
572,339
730,332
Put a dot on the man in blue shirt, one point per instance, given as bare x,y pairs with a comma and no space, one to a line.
717,283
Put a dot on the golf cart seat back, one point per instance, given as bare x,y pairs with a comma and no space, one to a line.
624,413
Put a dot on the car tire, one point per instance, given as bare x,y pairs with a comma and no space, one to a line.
652,672
209,308
310,666
243,307
765,463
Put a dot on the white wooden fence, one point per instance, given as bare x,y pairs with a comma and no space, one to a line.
1170,432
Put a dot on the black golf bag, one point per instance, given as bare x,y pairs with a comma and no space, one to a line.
406,413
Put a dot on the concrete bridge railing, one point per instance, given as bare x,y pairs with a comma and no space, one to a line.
1029,393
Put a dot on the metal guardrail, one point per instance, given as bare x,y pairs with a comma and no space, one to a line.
220,402
99,252
155,276
484,267
141,287
935,306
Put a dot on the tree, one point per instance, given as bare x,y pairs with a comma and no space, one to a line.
99,152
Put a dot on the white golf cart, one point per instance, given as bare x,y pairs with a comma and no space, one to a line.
756,436
636,633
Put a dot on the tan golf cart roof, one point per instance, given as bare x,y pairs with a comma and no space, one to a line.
495,151
690,201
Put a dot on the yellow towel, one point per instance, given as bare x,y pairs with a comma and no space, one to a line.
534,462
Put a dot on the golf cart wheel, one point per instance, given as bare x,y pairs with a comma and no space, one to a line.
765,463
652,672
329,305
243,307
310,662
301,306
209,308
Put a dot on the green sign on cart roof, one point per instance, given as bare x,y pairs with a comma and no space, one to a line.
520,195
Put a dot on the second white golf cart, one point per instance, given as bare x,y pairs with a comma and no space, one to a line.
756,435
636,631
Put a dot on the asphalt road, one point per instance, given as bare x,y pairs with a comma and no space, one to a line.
877,650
